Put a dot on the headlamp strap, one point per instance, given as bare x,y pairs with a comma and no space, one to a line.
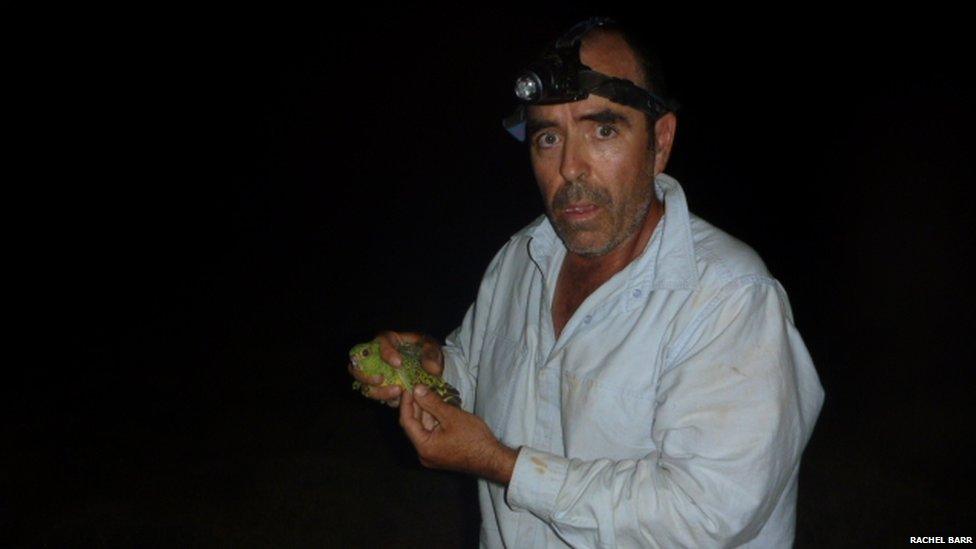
573,35
622,91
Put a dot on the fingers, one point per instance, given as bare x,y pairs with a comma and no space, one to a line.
428,421
363,378
417,422
432,359
389,394
389,341
385,394
432,404
411,425
388,348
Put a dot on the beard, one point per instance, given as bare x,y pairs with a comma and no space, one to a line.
615,223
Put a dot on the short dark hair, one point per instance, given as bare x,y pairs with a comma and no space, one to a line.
646,54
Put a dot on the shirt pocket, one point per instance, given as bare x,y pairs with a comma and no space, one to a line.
498,382
601,418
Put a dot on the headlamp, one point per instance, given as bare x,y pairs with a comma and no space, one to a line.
528,87
560,77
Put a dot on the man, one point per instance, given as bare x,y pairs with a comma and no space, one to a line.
635,375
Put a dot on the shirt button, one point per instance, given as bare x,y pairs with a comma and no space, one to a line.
637,292
587,319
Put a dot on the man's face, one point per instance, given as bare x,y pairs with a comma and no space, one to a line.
593,159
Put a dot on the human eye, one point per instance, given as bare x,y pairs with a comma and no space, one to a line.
606,131
546,140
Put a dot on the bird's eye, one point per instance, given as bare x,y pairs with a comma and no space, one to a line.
365,352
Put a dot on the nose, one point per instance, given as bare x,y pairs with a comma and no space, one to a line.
574,163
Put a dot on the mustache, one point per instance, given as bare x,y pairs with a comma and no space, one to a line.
576,192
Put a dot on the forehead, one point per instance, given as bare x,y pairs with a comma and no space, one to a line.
542,115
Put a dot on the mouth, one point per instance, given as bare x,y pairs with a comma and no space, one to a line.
578,212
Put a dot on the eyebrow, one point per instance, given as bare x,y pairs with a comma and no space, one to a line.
532,125
606,116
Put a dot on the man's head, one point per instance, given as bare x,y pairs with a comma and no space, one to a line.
595,160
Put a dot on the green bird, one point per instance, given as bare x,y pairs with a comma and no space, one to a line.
366,358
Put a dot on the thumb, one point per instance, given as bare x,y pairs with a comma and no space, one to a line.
432,403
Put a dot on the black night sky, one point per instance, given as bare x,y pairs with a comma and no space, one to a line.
222,204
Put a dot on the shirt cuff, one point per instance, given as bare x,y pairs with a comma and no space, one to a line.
536,481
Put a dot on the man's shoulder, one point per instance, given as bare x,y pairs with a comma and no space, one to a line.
535,227
722,258
538,229
514,253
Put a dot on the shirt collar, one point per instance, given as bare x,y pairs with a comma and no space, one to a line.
669,258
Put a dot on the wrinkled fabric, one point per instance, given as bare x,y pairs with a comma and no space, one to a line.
671,411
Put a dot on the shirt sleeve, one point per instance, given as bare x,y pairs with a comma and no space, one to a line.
734,409
458,369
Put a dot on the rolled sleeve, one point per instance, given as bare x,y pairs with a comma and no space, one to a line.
536,481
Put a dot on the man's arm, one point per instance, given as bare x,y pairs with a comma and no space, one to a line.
458,441
735,408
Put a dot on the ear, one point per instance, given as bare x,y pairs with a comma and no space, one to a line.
664,130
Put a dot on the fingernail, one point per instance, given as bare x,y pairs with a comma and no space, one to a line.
420,390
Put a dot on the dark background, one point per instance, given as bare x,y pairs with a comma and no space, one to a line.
217,206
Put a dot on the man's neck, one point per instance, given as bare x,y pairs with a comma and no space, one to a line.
580,275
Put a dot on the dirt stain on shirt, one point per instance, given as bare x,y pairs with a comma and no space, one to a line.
541,466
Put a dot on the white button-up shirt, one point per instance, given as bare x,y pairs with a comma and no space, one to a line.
671,411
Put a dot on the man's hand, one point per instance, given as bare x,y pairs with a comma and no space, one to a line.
457,440
432,361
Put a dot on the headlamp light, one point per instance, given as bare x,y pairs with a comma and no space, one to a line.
528,87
